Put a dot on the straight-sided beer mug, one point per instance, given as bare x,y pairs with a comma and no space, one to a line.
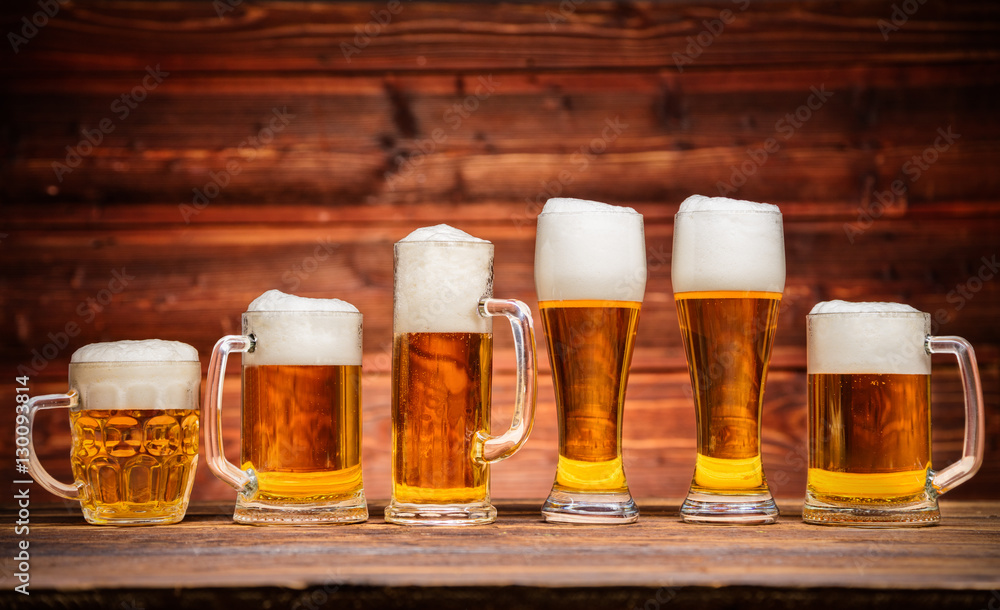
133,412
590,274
728,274
442,357
869,368
300,438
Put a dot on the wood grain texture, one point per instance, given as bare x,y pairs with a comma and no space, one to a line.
207,550
315,209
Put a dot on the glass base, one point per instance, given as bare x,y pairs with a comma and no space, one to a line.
352,510
477,513
729,509
135,514
921,513
564,506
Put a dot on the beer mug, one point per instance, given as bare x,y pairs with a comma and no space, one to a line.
728,274
869,368
442,358
590,274
300,438
133,412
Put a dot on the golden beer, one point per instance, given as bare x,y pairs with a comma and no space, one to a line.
590,349
302,431
727,338
440,399
869,437
135,462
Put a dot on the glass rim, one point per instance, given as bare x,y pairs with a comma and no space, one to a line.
301,312
443,242
638,215
870,314
131,362
692,212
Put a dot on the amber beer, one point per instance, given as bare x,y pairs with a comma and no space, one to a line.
727,338
300,438
301,431
869,368
134,420
728,275
871,439
590,349
442,361
440,399
139,462
590,274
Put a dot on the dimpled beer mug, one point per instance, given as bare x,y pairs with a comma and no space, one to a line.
728,274
442,358
590,274
133,412
300,438
869,368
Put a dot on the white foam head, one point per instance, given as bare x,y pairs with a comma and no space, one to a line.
440,275
275,300
293,330
869,338
149,374
587,250
728,244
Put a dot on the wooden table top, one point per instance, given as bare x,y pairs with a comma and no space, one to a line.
657,560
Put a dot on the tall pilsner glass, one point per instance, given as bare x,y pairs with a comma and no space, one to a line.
728,274
590,274
442,360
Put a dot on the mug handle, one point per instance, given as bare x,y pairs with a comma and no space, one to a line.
243,481
972,447
488,449
35,468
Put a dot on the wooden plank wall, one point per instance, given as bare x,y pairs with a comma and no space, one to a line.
317,136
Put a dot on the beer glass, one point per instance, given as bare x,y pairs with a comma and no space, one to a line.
442,356
133,412
300,438
590,274
869,368
728,274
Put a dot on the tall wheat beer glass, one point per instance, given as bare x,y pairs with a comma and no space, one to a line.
869,368
300,439
728,274
590,274
442,357
133,412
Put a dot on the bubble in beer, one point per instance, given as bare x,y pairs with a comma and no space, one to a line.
147,374
294,330
441,274
723,244
867,338
588,250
